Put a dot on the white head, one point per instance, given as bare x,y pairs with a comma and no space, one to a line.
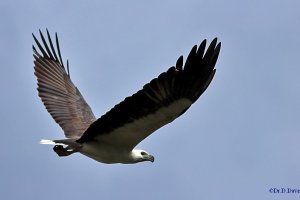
140,156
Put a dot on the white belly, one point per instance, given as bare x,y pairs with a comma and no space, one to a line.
104,153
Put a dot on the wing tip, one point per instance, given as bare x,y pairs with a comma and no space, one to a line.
49,52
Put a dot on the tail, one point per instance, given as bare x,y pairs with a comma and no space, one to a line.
71,146
51,142
68,142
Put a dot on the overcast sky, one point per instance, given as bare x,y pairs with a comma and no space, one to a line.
239,140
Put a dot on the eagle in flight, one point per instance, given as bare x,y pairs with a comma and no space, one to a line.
112,137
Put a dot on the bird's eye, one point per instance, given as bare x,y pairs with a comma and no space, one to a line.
143,153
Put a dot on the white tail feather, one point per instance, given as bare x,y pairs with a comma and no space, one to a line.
50,142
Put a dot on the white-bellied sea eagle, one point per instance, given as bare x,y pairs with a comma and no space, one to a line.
112,137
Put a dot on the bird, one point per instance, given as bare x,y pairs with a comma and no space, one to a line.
112,138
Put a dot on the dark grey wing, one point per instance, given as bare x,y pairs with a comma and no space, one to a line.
60,96
159,102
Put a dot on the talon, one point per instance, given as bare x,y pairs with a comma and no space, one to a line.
58,147
61,151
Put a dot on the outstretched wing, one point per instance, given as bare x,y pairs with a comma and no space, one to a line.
58,93
159,102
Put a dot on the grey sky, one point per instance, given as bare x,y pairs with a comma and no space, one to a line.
239,140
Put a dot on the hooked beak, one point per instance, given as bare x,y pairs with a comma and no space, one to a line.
150,158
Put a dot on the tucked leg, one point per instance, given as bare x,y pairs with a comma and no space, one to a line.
61,151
